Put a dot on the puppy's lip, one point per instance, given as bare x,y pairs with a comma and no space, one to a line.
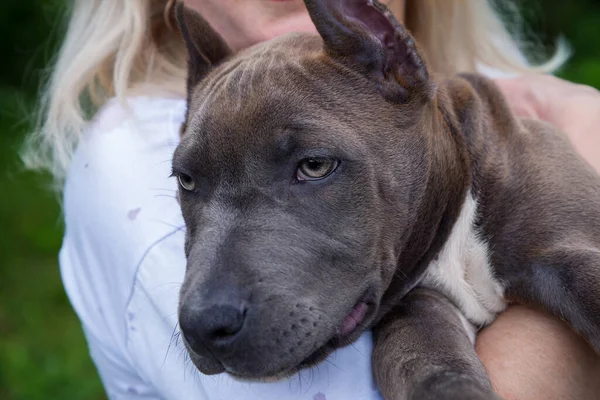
357,320
353,325
354,319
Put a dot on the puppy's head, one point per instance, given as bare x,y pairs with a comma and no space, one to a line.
300,169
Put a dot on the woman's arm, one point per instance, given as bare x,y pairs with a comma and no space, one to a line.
529,354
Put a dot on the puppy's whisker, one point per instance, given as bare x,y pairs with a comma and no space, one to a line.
177,284
170,343
327,360
176,227
400,274
169,145
356,349
163,190
167,317
178,340
312,378
163,162
299,381
166,195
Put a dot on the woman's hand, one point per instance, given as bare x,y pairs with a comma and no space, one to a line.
573,108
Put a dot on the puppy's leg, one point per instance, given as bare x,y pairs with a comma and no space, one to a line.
423,351
566,281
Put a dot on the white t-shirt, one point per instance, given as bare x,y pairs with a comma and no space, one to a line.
122,263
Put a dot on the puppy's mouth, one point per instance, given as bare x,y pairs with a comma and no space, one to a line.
358,319
353,325
354,319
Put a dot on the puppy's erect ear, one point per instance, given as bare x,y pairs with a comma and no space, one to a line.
206,47
365,35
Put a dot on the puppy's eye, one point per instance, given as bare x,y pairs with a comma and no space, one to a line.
313,169
186,182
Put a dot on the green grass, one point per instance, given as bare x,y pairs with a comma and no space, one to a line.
43,354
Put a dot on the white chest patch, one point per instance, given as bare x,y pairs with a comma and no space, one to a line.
462,271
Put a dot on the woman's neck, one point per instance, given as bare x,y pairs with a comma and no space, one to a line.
243,24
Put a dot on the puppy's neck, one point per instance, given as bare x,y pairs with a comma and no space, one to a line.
438,206
469,112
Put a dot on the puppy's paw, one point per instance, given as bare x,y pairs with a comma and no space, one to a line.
453,386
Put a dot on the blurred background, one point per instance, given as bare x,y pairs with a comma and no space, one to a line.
43,354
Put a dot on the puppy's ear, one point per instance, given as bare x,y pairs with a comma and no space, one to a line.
364,35
206,48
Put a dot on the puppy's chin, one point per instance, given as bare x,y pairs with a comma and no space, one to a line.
264,379
286,374
211,366
206,365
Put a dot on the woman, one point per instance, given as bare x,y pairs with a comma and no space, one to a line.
116,96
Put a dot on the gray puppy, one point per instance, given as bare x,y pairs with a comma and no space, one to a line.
330,184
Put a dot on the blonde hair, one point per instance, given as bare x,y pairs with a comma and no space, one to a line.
116,48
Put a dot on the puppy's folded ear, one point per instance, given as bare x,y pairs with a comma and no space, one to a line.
364,35
206,48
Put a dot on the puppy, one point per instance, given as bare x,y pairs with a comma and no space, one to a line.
331,184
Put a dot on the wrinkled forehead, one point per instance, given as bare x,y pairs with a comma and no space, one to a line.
269,131
275,100
274,87
270,76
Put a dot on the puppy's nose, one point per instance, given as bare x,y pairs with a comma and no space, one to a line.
212,327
